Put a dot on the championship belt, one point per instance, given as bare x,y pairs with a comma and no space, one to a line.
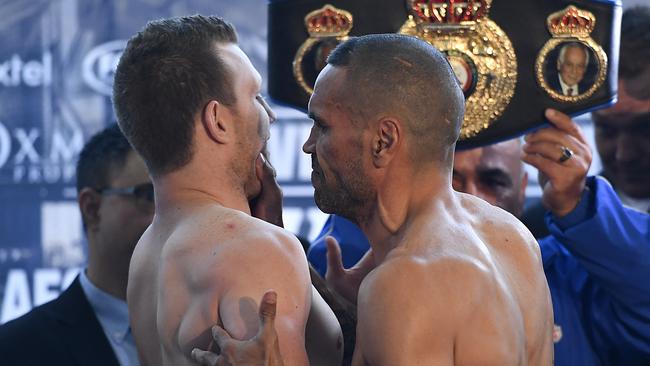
513,59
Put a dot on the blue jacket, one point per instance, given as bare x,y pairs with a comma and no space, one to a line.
597,263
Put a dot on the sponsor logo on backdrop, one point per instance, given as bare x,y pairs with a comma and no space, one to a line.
21,294
35,157
16,71
98,67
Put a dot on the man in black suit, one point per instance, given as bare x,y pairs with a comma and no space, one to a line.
88,323
572,63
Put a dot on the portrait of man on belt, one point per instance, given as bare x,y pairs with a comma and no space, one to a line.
573,72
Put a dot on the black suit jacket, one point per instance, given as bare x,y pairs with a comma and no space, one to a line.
554,83
64,331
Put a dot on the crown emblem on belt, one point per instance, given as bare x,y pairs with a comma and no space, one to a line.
328,21
570,27
448,12
327,27
479,52
571,22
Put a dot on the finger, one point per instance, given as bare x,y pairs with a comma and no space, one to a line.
564,123
549,150
259,166
334,258
205,357
268,308
548,168
220,336
268,169
552,134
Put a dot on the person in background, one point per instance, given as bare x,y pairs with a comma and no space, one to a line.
622,131
88,324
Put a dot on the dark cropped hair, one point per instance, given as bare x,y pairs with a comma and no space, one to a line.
105,152
407,76
166,74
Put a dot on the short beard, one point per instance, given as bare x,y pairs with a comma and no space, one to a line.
352,196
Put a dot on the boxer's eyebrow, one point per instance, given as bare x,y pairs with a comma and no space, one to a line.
317,120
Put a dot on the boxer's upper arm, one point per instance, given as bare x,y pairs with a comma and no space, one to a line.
398,325
270,263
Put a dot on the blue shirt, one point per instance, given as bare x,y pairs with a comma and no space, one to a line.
113,315
352,241
597,264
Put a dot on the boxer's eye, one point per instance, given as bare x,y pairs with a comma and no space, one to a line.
320,126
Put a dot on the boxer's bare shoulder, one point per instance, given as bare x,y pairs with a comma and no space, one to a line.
474,278
499,226
214,267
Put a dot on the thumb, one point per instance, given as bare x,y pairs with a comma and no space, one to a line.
334,258
268,308
259,166
264,169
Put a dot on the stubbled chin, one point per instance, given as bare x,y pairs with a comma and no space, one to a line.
315,179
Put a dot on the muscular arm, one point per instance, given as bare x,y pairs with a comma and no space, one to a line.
287,274
227,283
390,330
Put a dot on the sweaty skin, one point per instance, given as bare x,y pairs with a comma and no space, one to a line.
469,254
457,281
205,260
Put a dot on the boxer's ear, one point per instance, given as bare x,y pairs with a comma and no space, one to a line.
217,122
386,141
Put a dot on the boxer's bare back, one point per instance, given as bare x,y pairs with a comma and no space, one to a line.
205,260
463,286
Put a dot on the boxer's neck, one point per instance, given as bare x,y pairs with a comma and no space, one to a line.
188,187
401,199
